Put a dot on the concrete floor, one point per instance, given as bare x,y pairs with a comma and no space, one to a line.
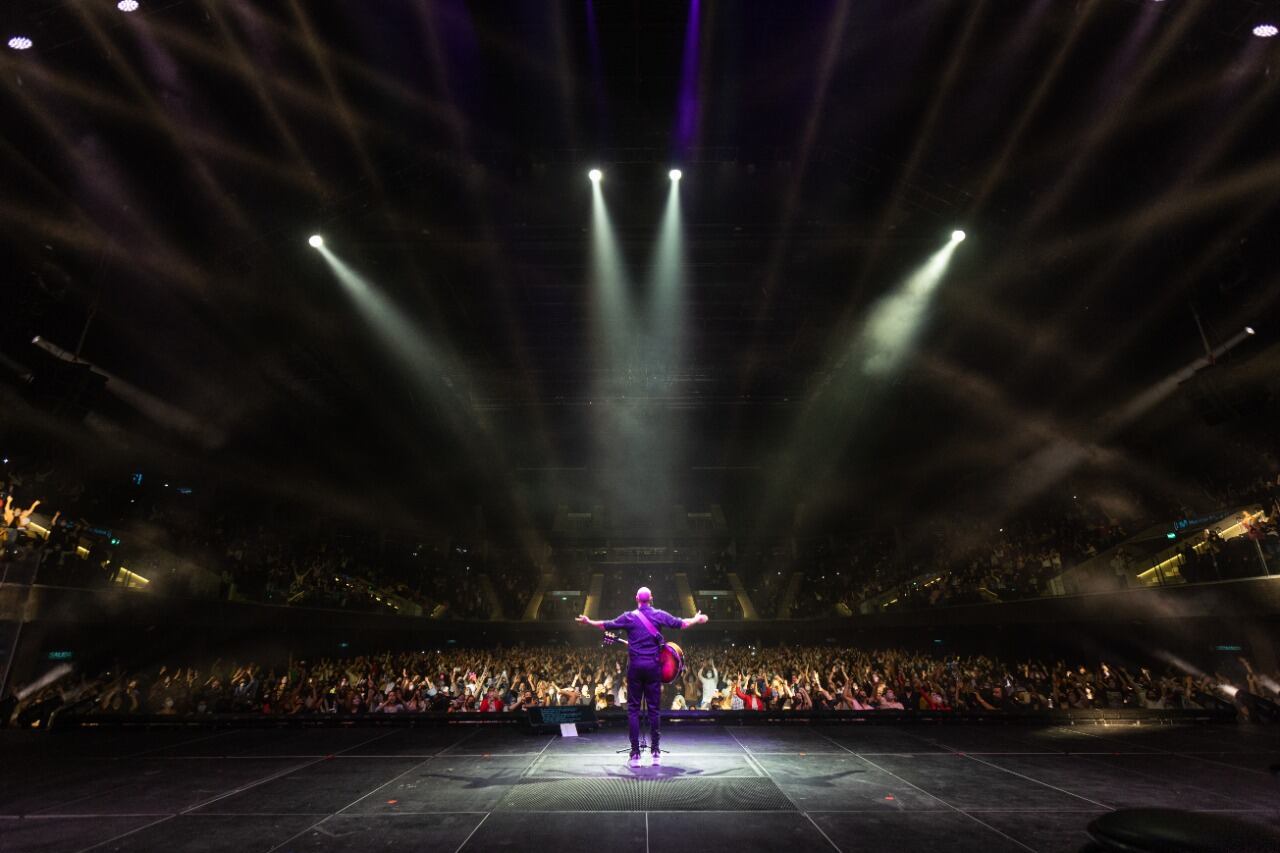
474,788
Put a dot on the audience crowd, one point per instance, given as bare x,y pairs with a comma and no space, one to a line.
724,677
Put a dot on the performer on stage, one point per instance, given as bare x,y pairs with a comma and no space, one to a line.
644,674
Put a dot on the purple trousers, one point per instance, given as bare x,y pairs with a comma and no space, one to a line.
644,682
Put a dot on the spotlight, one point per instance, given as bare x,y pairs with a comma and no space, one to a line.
316,241
957,235
595,175
1265,31
20,43
127,5
1248,330
675,174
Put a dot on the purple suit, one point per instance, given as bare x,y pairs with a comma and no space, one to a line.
644,673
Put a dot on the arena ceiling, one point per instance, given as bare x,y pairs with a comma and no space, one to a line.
1112,163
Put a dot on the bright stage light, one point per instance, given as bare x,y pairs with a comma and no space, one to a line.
316,241
675,174
595,175
1248,330
20,43
1265,31
127,5
957,235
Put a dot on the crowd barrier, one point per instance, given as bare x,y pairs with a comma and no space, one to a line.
1219,712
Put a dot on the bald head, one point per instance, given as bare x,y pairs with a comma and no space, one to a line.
643,596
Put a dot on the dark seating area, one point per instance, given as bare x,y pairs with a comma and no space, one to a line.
730,426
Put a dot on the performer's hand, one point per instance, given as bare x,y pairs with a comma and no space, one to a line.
583,620
700,618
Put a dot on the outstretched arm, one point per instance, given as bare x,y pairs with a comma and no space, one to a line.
699,618
594,623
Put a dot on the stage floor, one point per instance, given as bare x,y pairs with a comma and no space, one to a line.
721,788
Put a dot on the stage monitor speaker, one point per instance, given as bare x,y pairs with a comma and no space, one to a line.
549,720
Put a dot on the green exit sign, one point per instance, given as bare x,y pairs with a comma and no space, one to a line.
61,655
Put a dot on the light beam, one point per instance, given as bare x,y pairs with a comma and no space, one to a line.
665,315
608,282
895,320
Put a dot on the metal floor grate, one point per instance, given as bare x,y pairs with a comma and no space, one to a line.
600,795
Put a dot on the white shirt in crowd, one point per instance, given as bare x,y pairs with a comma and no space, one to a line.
709,686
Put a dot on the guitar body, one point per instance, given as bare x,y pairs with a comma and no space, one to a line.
670,656
671,660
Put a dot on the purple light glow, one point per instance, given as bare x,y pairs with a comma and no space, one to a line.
593,35
20,43
687,108
597,65
1266,31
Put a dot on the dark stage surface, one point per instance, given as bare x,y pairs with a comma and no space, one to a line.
486,787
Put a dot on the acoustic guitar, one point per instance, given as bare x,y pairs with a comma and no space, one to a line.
670,656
